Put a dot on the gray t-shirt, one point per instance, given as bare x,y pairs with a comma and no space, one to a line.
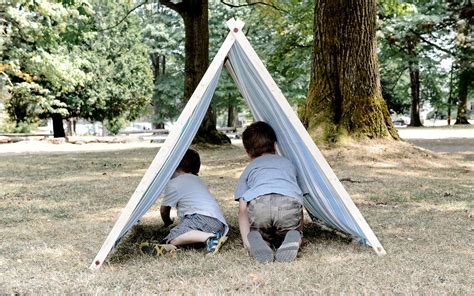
189,195
267,174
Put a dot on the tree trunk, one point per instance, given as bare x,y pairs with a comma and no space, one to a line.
231,115
450,97
155,62
414,69
465,79
344,96
196,49
466,74
156,65
58,127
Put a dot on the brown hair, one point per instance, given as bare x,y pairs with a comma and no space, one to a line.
191,163
259,138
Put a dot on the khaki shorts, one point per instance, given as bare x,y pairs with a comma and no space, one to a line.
273,215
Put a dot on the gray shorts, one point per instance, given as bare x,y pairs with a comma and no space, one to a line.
195,222
273,215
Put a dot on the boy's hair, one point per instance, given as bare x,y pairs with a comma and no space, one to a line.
259,138
191,163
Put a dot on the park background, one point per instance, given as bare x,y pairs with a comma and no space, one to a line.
384,88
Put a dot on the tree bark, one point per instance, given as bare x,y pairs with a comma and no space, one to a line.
58,127
196,48
344,96
155,62
414,69
465,79
231,115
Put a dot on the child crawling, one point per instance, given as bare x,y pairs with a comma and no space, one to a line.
200,217
270,199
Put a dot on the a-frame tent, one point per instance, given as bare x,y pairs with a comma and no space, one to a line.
326,198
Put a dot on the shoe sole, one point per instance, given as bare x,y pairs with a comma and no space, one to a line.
259,248
157,249
221,241
289,248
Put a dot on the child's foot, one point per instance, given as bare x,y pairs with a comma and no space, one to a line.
153,249
215,242
289,248
259,248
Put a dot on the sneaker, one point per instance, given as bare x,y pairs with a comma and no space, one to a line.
215,242
154,249
290,246
259,248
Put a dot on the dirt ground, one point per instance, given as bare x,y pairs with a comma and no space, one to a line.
448,145
435,145
57,206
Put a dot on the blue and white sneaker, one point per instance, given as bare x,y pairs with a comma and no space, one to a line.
215,242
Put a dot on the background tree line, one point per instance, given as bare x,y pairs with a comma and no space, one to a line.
113,62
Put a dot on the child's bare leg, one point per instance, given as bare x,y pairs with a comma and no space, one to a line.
191,237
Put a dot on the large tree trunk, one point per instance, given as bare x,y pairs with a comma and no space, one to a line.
344,95
58,127
196,48
414,69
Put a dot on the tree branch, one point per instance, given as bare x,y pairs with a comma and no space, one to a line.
295,44
432,43
173,6
255,3
125,17
398,78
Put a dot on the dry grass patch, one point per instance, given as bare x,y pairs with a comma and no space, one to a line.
57,208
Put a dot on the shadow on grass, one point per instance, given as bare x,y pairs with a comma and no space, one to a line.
128,247
314,233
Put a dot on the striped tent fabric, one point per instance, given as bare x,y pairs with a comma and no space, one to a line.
325,198
176,153
321,200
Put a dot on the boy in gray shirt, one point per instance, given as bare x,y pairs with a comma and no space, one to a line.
200,217
270,200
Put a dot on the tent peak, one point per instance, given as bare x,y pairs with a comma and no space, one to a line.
235,24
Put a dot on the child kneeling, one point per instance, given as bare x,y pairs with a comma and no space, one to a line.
200,217
270,199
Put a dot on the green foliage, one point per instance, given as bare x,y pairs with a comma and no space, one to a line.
163,34
55,61
281,35
34,56
283,39
436,29
226,92
395,98
115,125
168,97
119,62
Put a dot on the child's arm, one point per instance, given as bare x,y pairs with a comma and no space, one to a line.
244,224
165,215
302,221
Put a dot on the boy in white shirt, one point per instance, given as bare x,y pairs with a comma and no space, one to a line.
200,217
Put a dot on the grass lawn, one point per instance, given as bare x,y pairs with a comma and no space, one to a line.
57,208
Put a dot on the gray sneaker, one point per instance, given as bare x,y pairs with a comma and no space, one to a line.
259,248
290,246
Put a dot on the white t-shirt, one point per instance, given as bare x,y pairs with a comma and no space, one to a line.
189,195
